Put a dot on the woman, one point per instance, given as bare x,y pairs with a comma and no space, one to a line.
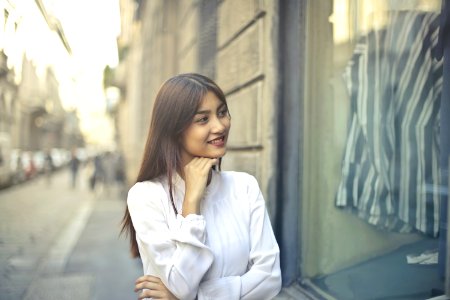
200,233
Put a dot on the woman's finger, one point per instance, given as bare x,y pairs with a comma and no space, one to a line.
147,285
152,287
150,278
151,294
207,163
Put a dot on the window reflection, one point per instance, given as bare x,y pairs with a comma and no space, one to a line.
390,83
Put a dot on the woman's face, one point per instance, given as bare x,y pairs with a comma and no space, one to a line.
208,133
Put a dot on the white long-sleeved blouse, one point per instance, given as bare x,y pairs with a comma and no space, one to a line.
227,252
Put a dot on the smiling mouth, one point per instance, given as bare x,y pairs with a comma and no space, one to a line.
218,141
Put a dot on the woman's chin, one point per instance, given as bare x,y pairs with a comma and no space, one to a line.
218,154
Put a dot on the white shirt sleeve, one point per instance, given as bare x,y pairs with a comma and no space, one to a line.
178,256
263,278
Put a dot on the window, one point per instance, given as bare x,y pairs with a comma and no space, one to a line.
371,174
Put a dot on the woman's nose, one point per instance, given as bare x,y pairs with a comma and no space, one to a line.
218,125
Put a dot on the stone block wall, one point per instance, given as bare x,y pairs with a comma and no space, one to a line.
234,43
246,70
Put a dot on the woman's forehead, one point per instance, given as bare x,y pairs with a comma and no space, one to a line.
210,99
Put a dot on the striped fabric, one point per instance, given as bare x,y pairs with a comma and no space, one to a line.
390,171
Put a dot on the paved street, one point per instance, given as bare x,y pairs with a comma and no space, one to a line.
62,243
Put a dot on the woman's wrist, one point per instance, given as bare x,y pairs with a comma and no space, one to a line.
190,206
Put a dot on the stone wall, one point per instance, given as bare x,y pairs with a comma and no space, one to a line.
232,42
247,72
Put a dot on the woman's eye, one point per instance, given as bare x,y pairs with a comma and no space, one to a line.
223,113
202,119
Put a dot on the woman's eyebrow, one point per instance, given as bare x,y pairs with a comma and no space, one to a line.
208,111
203,112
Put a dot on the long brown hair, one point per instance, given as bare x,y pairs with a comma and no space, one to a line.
175,106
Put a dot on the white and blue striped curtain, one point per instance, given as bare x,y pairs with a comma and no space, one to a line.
390,171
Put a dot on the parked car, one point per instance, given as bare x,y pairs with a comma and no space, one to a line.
60,157
39,161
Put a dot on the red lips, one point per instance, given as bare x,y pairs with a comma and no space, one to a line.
219,142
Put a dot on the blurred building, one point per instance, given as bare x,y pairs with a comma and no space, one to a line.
32,113
42,116
72,136
281,66
9,108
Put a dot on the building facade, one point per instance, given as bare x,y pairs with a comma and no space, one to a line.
286,68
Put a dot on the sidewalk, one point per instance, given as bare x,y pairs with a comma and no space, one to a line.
103,255
32,215
62,243
90,260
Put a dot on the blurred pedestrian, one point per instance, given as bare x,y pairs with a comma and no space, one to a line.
120,176
48,167
98,176
74,165
200,232
19,172
108,162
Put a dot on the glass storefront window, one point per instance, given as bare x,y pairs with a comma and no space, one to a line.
372,173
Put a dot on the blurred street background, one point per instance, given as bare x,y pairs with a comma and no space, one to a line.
77,83
62,176
62,242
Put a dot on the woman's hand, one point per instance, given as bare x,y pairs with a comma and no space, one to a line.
152,287
196,174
